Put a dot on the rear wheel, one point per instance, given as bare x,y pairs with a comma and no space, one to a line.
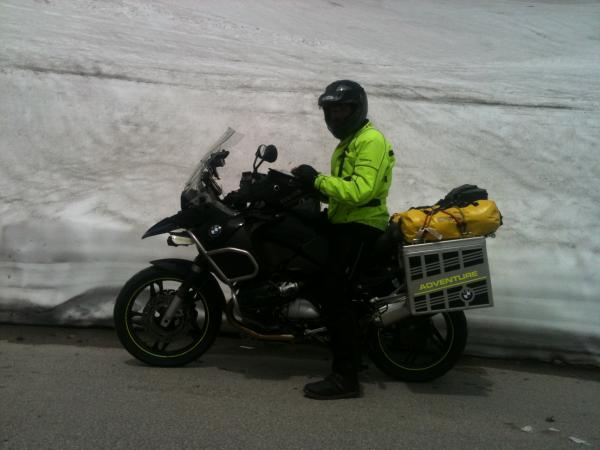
419,348
139,309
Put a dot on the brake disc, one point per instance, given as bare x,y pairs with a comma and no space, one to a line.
156,308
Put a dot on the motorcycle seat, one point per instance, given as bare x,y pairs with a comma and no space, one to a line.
385,245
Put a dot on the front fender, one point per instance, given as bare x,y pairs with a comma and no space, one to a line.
187,218
183,269
164,226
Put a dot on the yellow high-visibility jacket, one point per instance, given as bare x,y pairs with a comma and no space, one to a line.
361,175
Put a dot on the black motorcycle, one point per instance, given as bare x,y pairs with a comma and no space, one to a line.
262,245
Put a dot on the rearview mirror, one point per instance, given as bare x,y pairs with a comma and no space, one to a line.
267,153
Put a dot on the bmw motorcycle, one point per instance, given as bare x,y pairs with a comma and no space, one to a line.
260,257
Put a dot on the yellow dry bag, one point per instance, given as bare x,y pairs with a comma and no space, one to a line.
479,218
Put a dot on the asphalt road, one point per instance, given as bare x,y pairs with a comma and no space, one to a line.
76,388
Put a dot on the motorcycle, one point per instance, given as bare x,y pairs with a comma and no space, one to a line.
261,244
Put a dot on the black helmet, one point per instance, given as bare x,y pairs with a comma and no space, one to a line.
350,93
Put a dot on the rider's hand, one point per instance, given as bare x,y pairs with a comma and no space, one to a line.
305,174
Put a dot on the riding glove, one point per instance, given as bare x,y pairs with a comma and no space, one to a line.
305,174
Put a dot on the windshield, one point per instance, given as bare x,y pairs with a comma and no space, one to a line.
202,186
227,140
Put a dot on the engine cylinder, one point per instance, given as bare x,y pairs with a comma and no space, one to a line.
301,309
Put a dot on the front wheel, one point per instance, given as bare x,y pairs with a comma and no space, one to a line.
141,305
419,348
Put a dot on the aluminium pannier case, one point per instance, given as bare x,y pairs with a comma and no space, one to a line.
447,276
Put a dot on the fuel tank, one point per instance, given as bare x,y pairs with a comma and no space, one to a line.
292,243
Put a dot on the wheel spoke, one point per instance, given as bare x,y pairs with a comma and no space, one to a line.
194,331
438,339
411,356
160,345
164,346
138,328
136,319
152,291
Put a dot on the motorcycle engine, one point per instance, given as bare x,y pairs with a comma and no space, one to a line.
281,296
300,309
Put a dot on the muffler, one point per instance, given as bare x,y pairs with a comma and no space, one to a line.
390,310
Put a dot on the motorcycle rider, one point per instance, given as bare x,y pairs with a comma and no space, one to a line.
356,191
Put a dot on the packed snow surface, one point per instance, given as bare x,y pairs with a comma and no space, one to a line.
105,107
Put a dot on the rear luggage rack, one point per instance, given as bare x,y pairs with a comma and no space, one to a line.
447,276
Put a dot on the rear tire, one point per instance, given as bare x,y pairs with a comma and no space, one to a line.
419,348
195,325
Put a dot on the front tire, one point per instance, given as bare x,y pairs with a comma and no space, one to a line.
142,302
419,348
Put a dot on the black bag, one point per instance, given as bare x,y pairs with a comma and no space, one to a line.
462,196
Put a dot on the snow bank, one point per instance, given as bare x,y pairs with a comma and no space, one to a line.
105,107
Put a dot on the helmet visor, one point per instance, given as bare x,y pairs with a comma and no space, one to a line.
342,94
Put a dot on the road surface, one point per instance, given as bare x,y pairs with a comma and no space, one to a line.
68,388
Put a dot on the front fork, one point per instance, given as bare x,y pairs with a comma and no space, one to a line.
202,262
179,297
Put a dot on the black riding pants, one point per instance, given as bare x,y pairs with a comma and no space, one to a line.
349,243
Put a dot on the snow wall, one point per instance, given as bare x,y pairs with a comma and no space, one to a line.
105,107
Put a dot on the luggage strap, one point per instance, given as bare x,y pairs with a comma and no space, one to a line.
460,224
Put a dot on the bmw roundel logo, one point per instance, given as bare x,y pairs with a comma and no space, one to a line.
467,295
215,231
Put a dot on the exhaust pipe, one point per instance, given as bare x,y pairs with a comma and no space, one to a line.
392,310
240,326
